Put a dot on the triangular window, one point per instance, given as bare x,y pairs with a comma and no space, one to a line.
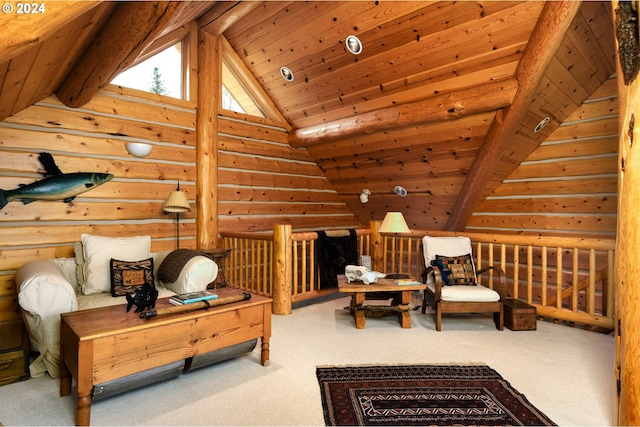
241,93
162,73
235,96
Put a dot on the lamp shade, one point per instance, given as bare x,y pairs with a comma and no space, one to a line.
176,202
394,223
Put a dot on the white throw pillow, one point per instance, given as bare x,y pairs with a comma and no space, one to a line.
98,251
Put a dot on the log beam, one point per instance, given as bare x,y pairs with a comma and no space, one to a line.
543,44
448,106
224,14
130,29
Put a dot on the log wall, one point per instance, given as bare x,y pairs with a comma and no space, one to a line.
92,139
569,183
261,180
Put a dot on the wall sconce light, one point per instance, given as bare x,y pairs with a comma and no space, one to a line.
177,203
364,197
138,149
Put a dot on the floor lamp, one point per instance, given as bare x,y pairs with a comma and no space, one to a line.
394,223
177,203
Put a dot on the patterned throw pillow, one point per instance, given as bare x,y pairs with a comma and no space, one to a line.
458,270
128,276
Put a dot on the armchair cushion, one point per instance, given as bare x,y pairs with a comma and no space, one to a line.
444,246
458,270
476,293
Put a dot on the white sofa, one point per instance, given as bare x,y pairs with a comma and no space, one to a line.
47,288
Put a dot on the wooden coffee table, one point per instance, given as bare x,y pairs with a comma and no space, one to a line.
359,292
103,344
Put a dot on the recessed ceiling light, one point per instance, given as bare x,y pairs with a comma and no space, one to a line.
542,124
287,74
354,45
400,191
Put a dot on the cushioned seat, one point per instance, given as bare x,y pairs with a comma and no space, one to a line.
476,293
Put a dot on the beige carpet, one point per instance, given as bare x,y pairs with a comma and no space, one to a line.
567,373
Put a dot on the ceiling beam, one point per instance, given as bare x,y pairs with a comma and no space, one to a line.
479,99
130,29
21,31
224,14
543,44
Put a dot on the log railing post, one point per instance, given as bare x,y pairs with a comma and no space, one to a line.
282,269
377,247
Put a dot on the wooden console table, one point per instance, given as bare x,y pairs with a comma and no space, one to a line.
359,292
103,344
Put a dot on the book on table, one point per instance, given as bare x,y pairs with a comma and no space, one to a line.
192,297
407,282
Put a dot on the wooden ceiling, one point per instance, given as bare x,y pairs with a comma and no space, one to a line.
442,100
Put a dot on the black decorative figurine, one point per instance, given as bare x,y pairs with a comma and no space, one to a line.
145,297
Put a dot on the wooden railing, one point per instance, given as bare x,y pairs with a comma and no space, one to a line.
566,279
282,265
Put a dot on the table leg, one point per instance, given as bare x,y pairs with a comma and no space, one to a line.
405,316
65,375
84,383
65,384
264,354
357,299
83,410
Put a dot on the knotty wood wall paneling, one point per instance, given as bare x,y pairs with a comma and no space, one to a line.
430,161
568,186
92,139
262,181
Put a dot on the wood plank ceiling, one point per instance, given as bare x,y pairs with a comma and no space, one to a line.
423,106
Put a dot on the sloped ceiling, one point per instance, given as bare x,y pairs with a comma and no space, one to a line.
442,100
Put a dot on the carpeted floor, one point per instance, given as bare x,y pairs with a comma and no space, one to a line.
565,372
422,395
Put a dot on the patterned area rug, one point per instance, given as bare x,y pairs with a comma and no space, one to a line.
422,395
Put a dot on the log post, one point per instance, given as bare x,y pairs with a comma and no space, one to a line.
209,88
627,268
282,269
376,246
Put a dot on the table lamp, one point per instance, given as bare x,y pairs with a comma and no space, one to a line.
394,223
177,203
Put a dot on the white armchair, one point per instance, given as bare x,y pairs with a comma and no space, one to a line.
451,279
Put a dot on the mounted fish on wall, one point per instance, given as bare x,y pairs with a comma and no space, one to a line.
56,185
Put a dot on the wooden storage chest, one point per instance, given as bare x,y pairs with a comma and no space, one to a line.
14,352
519,316
12,366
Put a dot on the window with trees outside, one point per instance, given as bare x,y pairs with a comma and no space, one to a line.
161,74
